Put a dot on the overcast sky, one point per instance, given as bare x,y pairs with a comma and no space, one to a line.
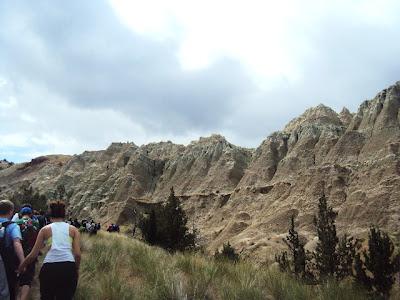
77,75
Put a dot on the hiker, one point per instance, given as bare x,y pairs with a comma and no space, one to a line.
11,249
29,230
42,219
4,293
76,223
88,226
60,270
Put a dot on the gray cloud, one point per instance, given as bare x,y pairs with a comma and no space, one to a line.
84,54
348,61
77,53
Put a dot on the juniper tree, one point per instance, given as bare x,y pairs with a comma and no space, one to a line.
175,234
360,274
379,262
325,255
148,226
296,248
346,251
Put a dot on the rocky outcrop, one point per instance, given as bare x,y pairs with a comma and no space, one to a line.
243,195
4,164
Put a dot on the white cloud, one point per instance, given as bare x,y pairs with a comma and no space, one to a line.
13,140
9,102
271,38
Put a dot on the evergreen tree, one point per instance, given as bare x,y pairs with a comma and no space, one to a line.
283,261
174,233
380,262
148,226
360,274
346,251
325,255
296,248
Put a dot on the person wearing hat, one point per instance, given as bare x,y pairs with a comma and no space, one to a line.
29,230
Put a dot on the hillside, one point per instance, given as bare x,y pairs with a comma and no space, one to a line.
116,267
242,195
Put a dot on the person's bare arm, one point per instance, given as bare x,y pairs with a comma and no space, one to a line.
35,251
76,247
19,251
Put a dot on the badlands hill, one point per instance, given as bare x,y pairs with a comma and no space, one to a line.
243,195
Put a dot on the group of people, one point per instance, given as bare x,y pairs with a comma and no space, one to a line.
22,237
85,226
113,228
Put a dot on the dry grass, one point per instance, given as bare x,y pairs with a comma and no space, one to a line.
116,267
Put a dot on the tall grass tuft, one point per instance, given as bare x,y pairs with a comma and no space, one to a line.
116,267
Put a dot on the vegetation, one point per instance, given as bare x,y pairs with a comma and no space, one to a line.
326,258
60,192
346,251
168,227
380,262
227,253
30,196
297,252
337,259
116,267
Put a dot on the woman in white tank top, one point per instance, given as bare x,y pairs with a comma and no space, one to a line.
60,270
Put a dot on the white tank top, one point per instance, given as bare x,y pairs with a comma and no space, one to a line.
61,244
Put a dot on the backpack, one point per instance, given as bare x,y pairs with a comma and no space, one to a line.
29,231
7,251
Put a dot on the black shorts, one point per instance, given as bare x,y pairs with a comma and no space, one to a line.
58,281
26,278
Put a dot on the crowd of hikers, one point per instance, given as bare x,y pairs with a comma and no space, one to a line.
85,226
23,237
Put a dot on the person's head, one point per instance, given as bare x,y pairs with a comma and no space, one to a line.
57,209
26,205
6,208
26,212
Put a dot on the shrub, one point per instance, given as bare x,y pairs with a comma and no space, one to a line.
227,253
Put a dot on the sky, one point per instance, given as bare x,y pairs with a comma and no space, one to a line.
77,75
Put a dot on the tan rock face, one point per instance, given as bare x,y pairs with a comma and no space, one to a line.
243,195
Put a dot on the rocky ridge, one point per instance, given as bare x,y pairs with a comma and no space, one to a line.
243,195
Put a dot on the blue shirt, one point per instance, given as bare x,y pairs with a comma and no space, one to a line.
13,232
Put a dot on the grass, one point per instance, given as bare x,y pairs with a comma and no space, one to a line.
116,267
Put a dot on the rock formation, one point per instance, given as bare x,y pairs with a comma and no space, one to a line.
4,164
243,195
